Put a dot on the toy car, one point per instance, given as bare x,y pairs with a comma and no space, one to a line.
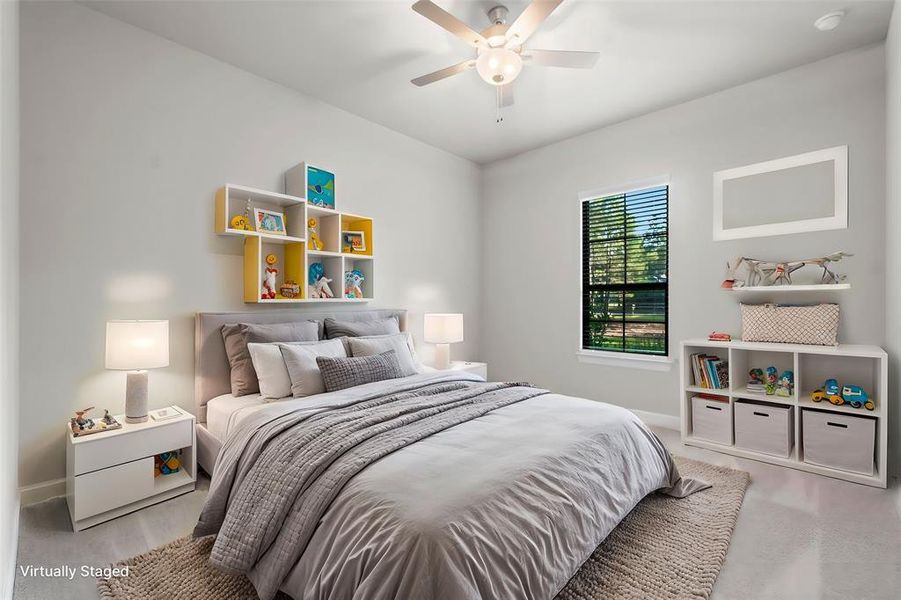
854,395
857,397
829,392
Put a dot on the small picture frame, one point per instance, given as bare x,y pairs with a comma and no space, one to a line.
269,221
353,241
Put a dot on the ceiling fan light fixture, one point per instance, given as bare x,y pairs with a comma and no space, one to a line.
498,66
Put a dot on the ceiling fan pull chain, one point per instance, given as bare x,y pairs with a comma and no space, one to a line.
499,119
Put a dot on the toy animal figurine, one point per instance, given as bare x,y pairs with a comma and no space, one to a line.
240,222
719,336
761,272
314,243
786,384
79,419
323,289
315,272
771,378
269,285
353,280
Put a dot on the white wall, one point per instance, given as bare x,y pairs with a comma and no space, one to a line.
125,138
531,221
893,223
9,289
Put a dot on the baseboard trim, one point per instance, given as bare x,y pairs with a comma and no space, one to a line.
9,582
38,492
658,419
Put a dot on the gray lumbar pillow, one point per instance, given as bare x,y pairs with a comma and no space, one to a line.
342,373
335,328
237,336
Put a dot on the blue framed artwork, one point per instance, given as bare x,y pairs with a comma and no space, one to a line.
320,187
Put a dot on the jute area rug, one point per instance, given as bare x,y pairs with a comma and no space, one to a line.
664,548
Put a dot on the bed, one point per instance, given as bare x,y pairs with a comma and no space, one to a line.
436,485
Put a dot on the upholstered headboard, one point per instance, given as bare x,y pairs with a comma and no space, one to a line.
211,370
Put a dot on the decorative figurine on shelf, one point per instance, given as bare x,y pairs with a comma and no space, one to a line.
719,336
772,376
318,282
756,381
353,281
268,291
81,421
770,273
786,384
240,223
854,395
314,242
290,289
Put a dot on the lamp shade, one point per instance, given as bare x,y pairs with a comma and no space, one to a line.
443,328
135,345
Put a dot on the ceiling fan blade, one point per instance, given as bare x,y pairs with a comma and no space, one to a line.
561,58
443,73
505,95
442,18
530,19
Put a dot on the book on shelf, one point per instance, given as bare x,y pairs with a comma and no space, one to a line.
710,371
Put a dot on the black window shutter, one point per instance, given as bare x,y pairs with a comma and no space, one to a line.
625,263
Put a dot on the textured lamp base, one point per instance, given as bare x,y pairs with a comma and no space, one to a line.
136,397
442,356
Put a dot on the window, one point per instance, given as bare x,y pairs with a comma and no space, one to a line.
624,272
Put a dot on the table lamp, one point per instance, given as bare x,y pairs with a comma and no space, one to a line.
134,346
443,329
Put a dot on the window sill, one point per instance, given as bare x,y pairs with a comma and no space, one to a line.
617,359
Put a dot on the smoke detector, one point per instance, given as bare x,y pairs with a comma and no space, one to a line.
829,21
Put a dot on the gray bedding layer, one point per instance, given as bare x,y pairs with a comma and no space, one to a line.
431,486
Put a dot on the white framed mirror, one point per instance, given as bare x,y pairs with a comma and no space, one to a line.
795,194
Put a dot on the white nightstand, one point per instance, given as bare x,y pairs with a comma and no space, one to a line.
111,474
476,368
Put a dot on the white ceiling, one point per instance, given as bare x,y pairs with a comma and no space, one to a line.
361,55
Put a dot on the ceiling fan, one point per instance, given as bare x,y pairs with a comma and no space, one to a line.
500,54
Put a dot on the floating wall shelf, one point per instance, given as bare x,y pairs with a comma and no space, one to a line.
292,252
817,287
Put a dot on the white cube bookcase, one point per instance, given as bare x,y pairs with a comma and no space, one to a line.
861,365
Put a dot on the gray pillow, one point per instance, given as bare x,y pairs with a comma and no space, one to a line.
335,328
237,336
401,343
342,373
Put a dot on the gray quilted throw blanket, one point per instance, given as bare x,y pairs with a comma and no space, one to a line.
275,481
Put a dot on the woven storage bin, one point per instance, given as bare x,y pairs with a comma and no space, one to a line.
815,325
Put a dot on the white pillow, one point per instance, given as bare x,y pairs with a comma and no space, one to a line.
300,362
401,343
272,373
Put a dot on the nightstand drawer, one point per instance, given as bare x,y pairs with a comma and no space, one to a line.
111,488
112,449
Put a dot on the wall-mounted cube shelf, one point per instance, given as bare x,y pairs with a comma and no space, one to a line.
292,251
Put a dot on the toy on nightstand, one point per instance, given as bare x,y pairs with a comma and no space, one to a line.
854,395
268,291
786,384
81,424
353,280
166,464
772,376
314,242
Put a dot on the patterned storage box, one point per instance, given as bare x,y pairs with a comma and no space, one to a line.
816,325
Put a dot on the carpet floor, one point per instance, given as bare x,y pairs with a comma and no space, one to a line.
664,548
